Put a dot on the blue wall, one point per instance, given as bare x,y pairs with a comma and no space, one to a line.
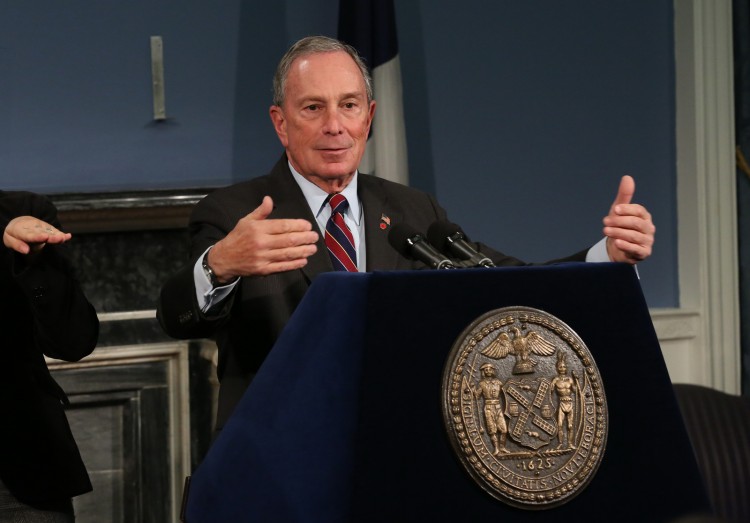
521,116
534,110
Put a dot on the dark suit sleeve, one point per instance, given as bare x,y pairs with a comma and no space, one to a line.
503,260
65,324
177,310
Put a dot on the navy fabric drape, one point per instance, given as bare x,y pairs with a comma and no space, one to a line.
343,421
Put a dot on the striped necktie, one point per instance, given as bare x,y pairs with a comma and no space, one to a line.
339,239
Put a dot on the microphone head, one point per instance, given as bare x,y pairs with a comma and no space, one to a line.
401,236
440,231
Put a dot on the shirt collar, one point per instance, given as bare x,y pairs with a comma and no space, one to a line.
317,197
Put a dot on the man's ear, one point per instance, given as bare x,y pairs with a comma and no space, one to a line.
279,123
371,115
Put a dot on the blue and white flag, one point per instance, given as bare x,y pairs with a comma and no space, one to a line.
370,27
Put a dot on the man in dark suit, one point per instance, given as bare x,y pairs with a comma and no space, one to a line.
258,245
44,312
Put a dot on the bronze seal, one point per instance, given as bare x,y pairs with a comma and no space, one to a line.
524,407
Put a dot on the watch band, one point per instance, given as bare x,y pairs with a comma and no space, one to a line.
209,271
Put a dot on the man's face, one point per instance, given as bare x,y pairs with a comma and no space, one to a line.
325,118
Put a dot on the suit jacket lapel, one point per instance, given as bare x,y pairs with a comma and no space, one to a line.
379,214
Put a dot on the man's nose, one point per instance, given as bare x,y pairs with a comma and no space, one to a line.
332,123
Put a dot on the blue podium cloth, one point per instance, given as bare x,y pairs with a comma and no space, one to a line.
286,452
343,421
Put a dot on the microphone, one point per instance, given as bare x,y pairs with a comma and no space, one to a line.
447,236
411,244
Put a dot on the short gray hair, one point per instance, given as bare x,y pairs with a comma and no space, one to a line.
314,45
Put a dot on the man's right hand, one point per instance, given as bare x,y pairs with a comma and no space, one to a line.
258,246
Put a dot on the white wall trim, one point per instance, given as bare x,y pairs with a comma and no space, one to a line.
678,331
706,201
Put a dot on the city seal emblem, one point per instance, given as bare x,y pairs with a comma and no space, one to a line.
524,407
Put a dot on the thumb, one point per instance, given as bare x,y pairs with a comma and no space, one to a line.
625,191
262,211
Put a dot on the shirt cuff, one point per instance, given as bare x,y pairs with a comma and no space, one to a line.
207,295
598,253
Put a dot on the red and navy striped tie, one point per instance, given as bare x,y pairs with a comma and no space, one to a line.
339,239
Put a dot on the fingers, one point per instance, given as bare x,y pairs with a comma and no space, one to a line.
630,216
624,251
630,234
628,227
632,241
279,245
58,237
284,260
258,251
15,244
25,234
260,246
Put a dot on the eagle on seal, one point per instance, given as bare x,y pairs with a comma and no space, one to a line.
521,346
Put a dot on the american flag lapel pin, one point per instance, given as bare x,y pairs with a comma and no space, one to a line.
385,222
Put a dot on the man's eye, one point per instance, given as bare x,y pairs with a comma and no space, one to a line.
313,107
350,105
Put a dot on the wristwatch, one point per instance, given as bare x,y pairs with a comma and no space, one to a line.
208,271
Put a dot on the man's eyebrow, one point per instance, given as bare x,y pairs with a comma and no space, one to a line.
313,98
354,94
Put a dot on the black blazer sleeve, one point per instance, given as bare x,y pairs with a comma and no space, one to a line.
65,325
44,312
177,309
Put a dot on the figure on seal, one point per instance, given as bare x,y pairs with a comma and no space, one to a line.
490,387
564,386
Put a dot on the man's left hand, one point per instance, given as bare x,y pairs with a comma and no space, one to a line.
628,227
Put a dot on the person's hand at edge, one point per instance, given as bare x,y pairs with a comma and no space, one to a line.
26,234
